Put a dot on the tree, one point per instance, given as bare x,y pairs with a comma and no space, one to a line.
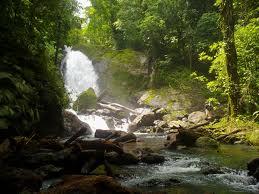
32,93
228,25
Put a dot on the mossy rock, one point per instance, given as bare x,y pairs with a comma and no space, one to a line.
206,142
86,100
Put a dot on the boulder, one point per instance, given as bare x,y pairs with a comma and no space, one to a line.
49,171
160,113
152,158
206,142
253,168
90,184
197,117
100,133
211,170
17,180
86,100
130,137
182,137
121,159
178,124
161,124
147,118
73,124
133,127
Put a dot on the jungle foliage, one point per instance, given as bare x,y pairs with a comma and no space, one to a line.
32,91
186,34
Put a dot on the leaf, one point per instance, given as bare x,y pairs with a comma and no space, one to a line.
4,123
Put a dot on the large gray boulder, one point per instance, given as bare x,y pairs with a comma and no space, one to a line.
72,123
197,117
253,168
147,118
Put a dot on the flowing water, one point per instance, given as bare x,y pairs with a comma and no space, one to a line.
181,173
79,73
187,165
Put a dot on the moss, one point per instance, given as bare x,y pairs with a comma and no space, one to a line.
248,129
151,96
86,100
206,142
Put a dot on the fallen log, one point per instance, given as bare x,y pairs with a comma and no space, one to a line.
76,135
200,125
130,137
116,105
100,145
116,134
228,134
108,106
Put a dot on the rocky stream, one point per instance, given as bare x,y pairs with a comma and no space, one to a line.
108,147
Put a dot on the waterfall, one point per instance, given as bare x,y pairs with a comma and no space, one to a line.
79,73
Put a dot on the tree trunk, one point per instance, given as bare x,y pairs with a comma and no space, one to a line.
58,34
231,56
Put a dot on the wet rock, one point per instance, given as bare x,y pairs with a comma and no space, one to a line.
206,142
17,180
182,137
182,117
256,174
160,113
162,183
172,140
49,171
130,137
178,124
162,124
152,158
89,185
211,170
253,168
72,123
148,156
133,127
147,118
197,117
52,144
100,133
121,159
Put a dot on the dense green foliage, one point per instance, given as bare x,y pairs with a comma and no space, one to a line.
179,38
32,91
177,34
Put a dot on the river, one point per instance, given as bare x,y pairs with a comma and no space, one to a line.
183,170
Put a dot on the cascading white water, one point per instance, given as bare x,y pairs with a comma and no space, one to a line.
79,73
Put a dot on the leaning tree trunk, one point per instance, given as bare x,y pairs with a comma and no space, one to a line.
231,56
